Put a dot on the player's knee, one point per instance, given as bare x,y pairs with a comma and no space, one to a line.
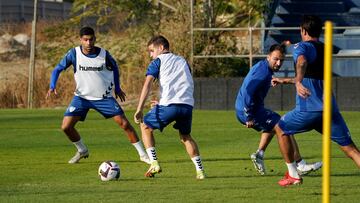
276,129
185,138
351,151
125,124
66,128
147,131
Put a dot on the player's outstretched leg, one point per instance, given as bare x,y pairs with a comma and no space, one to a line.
154,169
78,156
287,150
304,168
258,157
68,126
287,180
352,152
123,122
145,158
193,151
258,161
149,142
154,166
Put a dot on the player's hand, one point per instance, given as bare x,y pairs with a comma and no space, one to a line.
138,117
302,91
48,94
153,103
250,124
121,95
276,81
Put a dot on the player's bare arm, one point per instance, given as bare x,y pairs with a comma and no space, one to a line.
138,117
275,81
301,65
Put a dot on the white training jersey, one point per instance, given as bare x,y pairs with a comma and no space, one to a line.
94,81
176,83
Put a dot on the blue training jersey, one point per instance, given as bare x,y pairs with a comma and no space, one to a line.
254,89
315,101
70,59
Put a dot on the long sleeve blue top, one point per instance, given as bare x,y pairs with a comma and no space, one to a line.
254,89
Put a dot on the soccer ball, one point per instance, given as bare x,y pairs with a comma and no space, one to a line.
109,170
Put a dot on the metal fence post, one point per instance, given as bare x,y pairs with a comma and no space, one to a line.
32,59
0,12
22,11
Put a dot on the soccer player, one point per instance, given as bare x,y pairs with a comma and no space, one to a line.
176,103
96,75
307,115
251,112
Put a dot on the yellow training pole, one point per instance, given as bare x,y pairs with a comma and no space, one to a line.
327,113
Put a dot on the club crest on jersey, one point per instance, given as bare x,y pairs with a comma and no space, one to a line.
296,45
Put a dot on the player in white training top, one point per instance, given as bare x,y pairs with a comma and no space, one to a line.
176,103
96,75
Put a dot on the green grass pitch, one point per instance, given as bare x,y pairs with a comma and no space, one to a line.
34,154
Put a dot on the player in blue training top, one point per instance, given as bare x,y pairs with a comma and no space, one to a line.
175,104
307,115
251,112
96,75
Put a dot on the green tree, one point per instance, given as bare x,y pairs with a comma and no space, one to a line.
125,26
117,14
224,14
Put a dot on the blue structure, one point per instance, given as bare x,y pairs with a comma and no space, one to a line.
288,13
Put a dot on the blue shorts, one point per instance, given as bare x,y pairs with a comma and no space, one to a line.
108,107
161,116
264,119
298,121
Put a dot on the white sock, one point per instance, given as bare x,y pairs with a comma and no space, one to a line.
139,148
151,153
292,170
197,162
302,163
80,146
260,152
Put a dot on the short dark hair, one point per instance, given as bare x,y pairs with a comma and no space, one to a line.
86,31
279,47
312,25
159,40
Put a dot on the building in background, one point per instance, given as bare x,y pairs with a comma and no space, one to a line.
22,10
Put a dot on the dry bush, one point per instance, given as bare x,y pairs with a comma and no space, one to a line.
128,46
14,94
9,98
65,89
15,28
15,91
